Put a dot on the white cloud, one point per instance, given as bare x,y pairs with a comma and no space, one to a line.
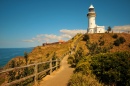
52,36
72,32
28,40
121,28
65,35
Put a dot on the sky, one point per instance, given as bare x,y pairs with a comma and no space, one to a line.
29,23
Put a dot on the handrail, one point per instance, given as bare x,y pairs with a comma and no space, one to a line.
35,74
15,68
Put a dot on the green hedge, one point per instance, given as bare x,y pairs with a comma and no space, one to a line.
112,68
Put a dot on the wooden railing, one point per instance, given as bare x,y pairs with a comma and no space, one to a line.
52,64
50,68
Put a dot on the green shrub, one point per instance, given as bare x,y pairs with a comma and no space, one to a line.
78,55
102,42
84,65
112,68
122,40
129,45
119,41
26,57
78,79
115,36
94,48
70,60
86,37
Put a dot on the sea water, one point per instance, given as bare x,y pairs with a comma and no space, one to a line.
7,54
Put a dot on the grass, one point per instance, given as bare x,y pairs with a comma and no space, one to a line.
44,53
78,79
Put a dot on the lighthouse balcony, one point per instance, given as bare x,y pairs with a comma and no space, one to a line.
91,14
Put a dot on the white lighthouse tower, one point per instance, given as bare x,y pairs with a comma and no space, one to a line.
91,19
92,27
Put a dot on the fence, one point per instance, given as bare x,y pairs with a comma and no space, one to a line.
43,67
49,66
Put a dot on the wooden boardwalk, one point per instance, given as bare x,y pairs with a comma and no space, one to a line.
59,77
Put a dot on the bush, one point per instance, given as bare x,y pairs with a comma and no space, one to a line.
129,45
78,79
119,41
101,43
86,37
115,36
94,48
70,60
78,55
84,65
122,40
112,68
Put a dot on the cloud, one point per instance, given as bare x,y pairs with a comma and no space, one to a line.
124,28
72,32
28,40
65,35
52,36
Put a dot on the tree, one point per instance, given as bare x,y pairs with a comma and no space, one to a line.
109,29
12,65
54,56
26,57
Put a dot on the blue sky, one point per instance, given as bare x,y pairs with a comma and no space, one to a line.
29,23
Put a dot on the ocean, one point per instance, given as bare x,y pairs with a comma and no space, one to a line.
7,54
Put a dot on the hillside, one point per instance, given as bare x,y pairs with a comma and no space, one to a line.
44,53
101,60
108,41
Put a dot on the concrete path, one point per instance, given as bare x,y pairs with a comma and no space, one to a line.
59,77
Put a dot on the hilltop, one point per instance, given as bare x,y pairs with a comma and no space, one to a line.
101,42
101,59
44,53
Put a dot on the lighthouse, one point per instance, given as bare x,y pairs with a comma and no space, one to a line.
92,27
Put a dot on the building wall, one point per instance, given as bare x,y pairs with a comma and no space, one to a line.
97,29
100,29
91,22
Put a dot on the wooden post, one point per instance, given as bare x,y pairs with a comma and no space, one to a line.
56,63
50,65
36,70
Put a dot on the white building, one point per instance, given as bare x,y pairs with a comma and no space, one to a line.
92,27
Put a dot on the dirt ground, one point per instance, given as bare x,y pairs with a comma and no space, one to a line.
59,77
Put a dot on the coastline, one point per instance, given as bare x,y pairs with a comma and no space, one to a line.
6,54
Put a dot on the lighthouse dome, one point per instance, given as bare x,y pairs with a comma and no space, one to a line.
91,6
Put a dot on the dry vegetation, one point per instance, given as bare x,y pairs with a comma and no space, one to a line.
109,40
44,53
100,44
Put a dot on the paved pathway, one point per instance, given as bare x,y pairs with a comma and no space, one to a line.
59,77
